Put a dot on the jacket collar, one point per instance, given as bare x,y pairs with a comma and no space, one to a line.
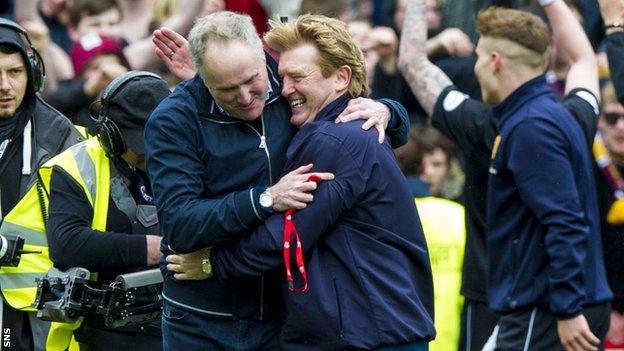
209,108
333,109
530,89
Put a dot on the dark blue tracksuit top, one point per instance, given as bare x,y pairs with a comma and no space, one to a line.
543,243
370,280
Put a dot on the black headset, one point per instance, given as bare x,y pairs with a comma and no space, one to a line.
35,63
107,131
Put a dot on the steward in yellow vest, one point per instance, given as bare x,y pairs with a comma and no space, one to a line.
31,132
101,216
443,224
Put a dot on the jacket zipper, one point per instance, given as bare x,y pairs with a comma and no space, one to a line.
263,145
339,309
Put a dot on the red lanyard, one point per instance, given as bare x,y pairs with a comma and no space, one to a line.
289,230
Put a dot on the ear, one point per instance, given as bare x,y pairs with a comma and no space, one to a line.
497,60
343,78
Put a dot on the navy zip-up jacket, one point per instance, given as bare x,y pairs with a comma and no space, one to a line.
370,279
207,170
544,245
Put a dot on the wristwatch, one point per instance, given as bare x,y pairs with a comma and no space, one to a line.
207,267
266,202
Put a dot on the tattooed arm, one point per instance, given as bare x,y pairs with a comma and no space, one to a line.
424,78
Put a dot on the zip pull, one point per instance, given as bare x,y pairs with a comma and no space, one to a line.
262,142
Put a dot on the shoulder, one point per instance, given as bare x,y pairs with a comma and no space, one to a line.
52,128
179,107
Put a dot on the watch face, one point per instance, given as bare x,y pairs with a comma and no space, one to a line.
266,200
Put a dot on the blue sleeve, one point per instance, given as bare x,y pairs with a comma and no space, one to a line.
539,159
262,250
190,219
399,125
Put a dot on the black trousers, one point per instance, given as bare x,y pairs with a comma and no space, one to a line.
477,324
536,329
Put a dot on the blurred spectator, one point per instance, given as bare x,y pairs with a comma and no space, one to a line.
99,16
254,9
137,15
451,50
436,164
360,31
429,155
97,60
559,62
609,168
57,63
55,14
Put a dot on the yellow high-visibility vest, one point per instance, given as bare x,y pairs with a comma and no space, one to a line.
88,165
445,231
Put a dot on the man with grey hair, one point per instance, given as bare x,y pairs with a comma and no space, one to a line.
215,150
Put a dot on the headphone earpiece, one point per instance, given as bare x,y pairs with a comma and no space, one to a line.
108,132
35,62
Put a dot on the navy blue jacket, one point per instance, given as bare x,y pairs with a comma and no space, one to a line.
370,279
542,211
207,171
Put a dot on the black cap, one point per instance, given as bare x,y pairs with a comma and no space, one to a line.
131,106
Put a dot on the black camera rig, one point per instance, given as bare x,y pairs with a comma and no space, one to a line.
133,298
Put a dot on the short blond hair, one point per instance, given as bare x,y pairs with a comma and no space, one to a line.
522,36
332,40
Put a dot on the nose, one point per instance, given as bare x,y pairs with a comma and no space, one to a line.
4,81
244,96
287,87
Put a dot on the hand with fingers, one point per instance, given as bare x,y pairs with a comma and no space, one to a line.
172,48
294,189
188,266
575,335
375,113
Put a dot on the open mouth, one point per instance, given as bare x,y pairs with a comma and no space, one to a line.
296,103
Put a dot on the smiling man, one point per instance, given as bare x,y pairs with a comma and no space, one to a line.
366,282
216,148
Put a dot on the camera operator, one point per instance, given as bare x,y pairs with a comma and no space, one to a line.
101,212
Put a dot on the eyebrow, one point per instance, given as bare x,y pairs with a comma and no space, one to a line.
227,87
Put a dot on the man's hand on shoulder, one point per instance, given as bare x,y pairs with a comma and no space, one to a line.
575,335
294,189
375,113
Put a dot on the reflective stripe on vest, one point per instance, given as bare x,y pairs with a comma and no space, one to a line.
88,165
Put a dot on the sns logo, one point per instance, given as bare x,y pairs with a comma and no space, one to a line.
6,337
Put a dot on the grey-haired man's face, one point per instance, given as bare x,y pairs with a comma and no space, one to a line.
236,76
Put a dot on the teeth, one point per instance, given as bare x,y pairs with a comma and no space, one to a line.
297,102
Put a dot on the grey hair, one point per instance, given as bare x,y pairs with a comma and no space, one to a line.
221,26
